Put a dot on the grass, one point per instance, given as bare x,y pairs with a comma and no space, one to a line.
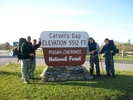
12,88
39,53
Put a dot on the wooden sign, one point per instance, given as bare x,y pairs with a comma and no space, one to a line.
64,48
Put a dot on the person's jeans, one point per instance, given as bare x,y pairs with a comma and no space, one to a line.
94,59
33,66
25,65
109,62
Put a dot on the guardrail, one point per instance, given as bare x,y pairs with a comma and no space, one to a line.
39,50
125,53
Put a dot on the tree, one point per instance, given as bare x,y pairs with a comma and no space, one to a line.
7,45
117,43
127,46
129,42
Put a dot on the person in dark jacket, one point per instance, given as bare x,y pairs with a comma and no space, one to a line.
35,45
27,52
109,51
93,49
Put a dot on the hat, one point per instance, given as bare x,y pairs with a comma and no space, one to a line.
106,39
28,37
90,38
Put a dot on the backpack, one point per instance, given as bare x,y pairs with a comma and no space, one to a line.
112,43
18,51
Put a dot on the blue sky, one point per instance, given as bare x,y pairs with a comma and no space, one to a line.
102,19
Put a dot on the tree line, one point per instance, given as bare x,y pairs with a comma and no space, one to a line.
5,46
126,46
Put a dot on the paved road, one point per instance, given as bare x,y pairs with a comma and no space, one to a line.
6,58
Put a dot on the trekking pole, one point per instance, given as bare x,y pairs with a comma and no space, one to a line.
33,79
89,61
111,63
31,72
101,64
32,75
92,63
91,58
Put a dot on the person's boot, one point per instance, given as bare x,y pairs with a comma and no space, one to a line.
91,71
108,75
26,81
98,75
113,76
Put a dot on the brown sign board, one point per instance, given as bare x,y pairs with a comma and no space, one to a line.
64,48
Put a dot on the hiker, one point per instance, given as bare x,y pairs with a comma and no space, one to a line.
35,45
109,51
93,49
27,52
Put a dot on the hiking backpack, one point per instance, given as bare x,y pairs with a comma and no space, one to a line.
112,43
18,50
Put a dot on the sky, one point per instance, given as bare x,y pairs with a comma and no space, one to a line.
101,19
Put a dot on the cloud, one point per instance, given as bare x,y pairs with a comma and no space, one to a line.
39,11
65,11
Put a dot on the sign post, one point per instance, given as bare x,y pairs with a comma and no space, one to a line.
64,53
15,44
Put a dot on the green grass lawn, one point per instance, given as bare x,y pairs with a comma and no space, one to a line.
39,53
12,88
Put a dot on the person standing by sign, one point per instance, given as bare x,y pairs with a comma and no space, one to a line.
109,51
27,52
35,45
93,49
